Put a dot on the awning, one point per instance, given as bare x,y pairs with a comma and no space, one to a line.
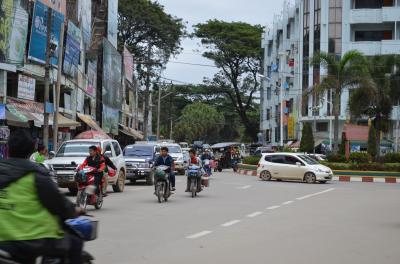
318,142
38,120
90,122
15,120
66,122
131,132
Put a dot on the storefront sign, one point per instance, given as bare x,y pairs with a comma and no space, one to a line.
26,87
37,44
72,51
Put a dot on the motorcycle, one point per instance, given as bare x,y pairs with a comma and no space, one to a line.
162,184
87,194
81,227
194,178
235,163
207,167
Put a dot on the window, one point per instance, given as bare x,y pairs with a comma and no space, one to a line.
107,149
288,31
290,160
335,27
372,3
268,158
278,159
268,93
268,114
322,127
373,35
117,149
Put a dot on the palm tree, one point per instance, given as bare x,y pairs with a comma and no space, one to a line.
342,73
378,93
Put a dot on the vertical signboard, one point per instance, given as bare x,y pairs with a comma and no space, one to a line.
58,5
112,22
72,51
85,18
37,44
128,65
110,120
26,87
14,19
91,78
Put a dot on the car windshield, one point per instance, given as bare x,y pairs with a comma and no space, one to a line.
76,149
136,151
174,149
308,160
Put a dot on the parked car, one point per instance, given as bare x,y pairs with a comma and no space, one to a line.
318,157
260,150
73,152
292,166
176,153
139,160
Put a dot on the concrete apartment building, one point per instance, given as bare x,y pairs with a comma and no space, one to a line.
308,26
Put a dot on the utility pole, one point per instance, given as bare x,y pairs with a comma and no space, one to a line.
147,94
158,112
47,79
281,100
57,91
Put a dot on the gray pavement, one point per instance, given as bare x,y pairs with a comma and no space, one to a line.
240,219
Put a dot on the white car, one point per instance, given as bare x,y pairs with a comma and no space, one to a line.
73,152
292,166
175,151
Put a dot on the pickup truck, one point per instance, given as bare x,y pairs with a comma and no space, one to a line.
73,152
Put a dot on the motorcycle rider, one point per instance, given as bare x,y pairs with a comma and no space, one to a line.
194,160
40,155
207,156
166,160
32,209
97,161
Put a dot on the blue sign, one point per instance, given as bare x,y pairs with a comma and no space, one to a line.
286,85
2,111
72,51
37,44
274,67
49,108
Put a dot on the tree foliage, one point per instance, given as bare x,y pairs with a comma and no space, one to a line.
199,122
344,73
235,49
307,139
372,147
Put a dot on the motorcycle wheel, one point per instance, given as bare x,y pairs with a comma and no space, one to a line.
99,201
159,191
193,187
81,199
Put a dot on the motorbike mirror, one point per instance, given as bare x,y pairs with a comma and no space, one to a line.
108,154
73,163
52,154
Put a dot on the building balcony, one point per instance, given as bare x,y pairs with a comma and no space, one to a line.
371,48
375,16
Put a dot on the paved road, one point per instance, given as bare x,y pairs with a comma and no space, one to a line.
240,219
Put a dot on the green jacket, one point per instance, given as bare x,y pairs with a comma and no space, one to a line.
31,206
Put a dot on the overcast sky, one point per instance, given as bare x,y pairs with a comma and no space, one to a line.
198,11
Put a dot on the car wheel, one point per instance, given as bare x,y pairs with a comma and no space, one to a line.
150,179
120,184
73,190
265,176
309,177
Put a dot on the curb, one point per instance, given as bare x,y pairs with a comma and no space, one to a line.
341,178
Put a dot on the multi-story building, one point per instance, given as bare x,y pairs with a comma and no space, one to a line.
334,26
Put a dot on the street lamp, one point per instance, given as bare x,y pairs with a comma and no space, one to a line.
281,101
330,124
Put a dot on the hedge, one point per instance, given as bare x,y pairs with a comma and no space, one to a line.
372,166
251,160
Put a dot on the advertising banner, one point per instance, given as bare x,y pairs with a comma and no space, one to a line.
58,5
112,24
26,87
13,30
112,86
110,120
291,127
72,51
91,78
85,19
37,44
128,65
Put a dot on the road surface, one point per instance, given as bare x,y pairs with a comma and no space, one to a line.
240,219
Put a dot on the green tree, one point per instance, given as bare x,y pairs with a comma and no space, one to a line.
152,35
307,139
372,148
377,94
235,49
344,73
199,122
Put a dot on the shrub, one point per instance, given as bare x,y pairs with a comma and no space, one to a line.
336,158
251,160
372,147
359,157
392,157
373,166
307,139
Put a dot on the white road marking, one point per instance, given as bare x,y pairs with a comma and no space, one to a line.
254,214
376,179
231,223
315,194
243,187
200,234
287,202
137,189
179,181
273,207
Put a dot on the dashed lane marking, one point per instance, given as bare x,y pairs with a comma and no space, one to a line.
273,207
200,234
243,187
287,202
315,194
231,223
254,214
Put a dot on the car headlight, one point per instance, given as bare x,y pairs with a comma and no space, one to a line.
143,165
180,159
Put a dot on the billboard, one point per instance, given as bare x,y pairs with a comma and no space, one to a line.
112,85
110,120
14,18
85,19
91,78
58,5
112,22
37,44
72,51
26,87
128,65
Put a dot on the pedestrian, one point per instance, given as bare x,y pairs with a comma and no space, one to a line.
40,155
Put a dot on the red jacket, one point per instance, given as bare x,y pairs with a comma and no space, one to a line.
98,162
